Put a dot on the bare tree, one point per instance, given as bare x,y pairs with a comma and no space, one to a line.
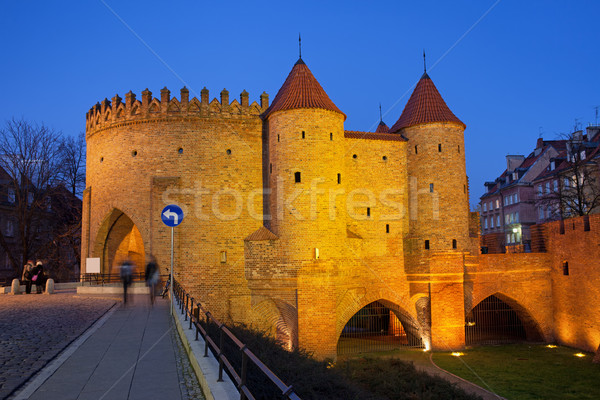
30,157
72,169
577,191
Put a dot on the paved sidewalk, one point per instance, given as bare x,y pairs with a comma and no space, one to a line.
34,328
133,355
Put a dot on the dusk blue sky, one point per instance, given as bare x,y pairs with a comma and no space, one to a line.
525,68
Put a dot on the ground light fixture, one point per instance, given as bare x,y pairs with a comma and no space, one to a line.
458,353
579,355
551,346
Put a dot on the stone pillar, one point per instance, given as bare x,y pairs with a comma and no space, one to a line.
15,287
447,301
50,286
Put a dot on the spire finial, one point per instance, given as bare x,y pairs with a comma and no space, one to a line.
300,45
424,62
380,115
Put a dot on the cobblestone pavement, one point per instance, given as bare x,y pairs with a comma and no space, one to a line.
34,328
188,382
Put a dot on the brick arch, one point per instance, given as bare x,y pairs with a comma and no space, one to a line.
355,299
279,319
532,327
118,238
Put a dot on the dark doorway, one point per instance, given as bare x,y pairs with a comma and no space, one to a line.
377,327
494,322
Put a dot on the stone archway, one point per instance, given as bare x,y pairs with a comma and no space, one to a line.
500,319
118,239
278,319
379,326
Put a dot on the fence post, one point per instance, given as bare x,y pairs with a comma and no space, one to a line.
207,335
191,311
187,297
221,343
243,372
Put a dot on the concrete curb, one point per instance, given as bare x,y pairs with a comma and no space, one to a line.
206,368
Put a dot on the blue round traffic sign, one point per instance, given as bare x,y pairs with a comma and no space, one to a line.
172,215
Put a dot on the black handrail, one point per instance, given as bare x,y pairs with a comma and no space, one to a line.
186,304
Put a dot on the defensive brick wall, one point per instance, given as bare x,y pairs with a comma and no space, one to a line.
576,285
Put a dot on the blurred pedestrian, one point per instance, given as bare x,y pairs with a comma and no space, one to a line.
27,275
152,276
126,276
39,278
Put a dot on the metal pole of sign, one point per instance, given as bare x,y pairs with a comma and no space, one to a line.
172,281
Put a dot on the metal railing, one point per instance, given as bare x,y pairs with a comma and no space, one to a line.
192,311
105,279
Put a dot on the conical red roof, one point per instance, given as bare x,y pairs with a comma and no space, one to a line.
301,90
425,105
382,128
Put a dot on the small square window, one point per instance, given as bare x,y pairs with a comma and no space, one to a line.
426,244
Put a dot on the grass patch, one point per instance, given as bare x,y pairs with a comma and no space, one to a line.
527,371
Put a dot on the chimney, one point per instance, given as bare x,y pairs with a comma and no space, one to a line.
514,161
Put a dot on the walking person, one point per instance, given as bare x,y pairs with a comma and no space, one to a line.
39,278
126,273
27,275
152,277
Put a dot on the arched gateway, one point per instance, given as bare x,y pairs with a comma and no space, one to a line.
118,239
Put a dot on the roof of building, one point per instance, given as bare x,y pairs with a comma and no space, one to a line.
301,90
424,106
374,136
382,128
261,233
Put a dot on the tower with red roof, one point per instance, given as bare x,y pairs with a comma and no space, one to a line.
438,202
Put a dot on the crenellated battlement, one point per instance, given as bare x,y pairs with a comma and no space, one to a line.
109,112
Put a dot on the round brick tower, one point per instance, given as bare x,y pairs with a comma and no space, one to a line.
438,205
305,132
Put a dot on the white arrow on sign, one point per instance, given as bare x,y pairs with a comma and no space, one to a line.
170,214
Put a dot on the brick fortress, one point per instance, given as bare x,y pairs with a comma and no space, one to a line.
294,224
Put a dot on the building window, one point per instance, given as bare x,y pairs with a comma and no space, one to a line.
540,190
498,220
497,203
506,201
491,206
297,178
582,155
565,267
556,186
278,138
517,217
454,243
506,219
339,177
368,211
303,135
431,188
485,223
10,228
552,165
331,136
387,228
492,222
508,238
427,245
440,147
547,187
416,149
541,211
459,149
484,207
567,182
270,168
